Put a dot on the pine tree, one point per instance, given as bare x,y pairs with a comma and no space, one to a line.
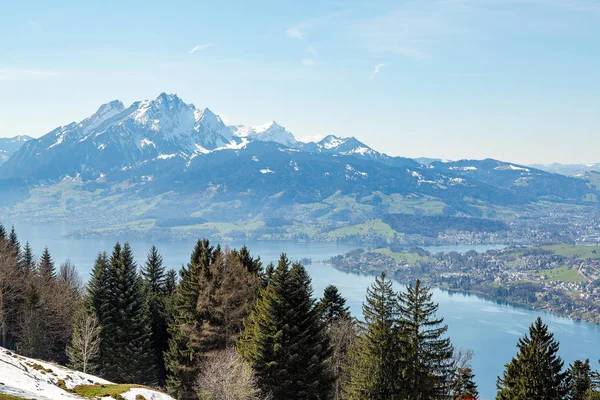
374,366
127,354
226,300
333,306
464,386
536,372
46,268
2,232
97,302
426,353
155,292
183,356
252,265
97,286
171,282
14,240
285,341
579,380
27,261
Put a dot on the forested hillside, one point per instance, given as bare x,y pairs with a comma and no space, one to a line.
228,327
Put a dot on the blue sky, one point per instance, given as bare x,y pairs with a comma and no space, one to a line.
517,80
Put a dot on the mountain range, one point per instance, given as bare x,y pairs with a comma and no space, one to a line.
165,164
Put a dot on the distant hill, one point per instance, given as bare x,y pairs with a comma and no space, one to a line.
568,169
163,164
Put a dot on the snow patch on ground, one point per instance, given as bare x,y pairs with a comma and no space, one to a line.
33,379
352,173
511,168
463,168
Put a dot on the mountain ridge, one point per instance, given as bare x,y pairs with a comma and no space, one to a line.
164,160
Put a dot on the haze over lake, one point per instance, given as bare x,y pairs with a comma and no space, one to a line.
489,328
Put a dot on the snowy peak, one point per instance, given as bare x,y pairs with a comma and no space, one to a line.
269,132
105,112
211,127
10,145
345,146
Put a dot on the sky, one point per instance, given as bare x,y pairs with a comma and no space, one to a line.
516,80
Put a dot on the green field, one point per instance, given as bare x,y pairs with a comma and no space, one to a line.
409,257
572,250
559,274
374,227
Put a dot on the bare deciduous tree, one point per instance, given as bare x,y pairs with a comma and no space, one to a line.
343,336
226,376
84,349
11,293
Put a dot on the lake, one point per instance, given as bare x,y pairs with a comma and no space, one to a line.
489,328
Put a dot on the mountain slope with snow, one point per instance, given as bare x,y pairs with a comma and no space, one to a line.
33,379
269,132
10,145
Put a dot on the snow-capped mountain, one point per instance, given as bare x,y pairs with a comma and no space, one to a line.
117,137
9,145
346,146
269,132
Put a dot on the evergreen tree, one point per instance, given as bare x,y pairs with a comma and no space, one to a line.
426,353
14,240
464,386
97,286
579,380
155,292
536,372
2,232
127,354
27,261
97,302
333,306
183,356
226,300
375,357
171,282
252,264
46,268
285,341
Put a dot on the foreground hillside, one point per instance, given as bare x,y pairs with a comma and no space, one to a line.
28,378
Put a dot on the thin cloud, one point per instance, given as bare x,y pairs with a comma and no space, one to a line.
376,70
312,60
200,48
17,74
312,51
295,32
299,30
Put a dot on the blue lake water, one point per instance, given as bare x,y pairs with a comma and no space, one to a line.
489,328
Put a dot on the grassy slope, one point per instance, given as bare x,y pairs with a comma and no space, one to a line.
571,250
